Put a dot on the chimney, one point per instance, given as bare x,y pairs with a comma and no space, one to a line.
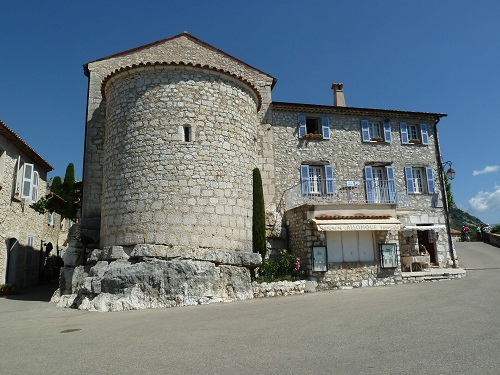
338,95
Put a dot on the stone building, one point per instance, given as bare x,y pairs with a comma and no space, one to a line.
24,233
174,130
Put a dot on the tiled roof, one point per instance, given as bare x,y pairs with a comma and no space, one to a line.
13,138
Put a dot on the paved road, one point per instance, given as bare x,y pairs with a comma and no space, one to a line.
446,327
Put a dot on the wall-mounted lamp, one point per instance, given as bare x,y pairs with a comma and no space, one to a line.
450,173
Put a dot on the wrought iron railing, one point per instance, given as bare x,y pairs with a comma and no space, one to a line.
345,191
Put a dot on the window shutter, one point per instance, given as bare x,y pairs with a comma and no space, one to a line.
27,181
424,135
410,189
369,184
34,187
304,178
403,128
302,126
387,131
325,126
391,184
365,131
330,188
429,173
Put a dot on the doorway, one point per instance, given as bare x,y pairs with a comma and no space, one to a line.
427,238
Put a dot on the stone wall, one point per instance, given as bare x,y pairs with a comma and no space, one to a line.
194,193
493,239
183,50
18,222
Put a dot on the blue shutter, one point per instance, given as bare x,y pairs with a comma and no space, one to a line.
302,126
429,173
369,184
329,179
325,125
304,178
410,189
387,131
365,131
424,135
403,128
391,183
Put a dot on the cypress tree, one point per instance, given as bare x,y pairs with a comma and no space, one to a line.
259,216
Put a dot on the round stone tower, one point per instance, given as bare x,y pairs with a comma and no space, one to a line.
178,155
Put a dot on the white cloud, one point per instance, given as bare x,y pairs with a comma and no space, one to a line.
486,201
487,169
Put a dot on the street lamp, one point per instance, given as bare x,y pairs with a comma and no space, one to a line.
450,173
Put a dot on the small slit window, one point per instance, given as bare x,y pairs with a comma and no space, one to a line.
187,133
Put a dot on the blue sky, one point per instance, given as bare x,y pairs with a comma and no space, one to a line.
430,56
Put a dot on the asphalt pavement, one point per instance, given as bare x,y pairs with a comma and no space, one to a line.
444,327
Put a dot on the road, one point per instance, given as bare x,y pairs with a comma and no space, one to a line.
445,327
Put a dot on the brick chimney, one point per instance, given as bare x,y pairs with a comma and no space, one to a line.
338,95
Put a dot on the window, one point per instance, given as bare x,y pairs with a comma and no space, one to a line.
314,127
419,179
374,131
27,181
187,134
316,179
380,184
414,133
51,219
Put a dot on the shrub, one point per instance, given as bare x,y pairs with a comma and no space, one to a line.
285,266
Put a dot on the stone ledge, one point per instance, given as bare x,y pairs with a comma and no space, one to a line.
232,258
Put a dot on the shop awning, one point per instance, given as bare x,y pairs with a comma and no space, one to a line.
425,227
356,225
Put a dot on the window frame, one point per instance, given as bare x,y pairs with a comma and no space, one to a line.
384,131
326,184
426,178
419,132
321,127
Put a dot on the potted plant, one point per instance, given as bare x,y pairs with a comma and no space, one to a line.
6,289
377,139
415,141
312,136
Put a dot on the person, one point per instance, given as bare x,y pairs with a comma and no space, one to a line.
466,232
478,232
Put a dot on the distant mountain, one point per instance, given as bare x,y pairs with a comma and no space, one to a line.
459,218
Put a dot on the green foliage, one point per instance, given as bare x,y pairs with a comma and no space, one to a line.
285,266
68,192
449,194
259,216
42,206
496,229
458,218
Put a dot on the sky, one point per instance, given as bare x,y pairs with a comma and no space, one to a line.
428,55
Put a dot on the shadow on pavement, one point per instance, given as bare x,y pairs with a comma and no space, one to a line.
42,293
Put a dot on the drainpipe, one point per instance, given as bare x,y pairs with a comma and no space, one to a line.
444,198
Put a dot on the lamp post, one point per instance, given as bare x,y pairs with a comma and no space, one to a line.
450,173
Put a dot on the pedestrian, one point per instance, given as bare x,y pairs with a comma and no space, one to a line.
466,233
478,233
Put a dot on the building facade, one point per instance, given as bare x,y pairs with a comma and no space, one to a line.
175,128
25,234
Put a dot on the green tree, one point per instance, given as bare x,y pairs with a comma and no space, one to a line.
259,215
68,194
449,194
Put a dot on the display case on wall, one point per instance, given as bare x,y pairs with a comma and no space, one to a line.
388,255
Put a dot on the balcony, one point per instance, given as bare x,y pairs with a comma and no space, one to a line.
345,191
